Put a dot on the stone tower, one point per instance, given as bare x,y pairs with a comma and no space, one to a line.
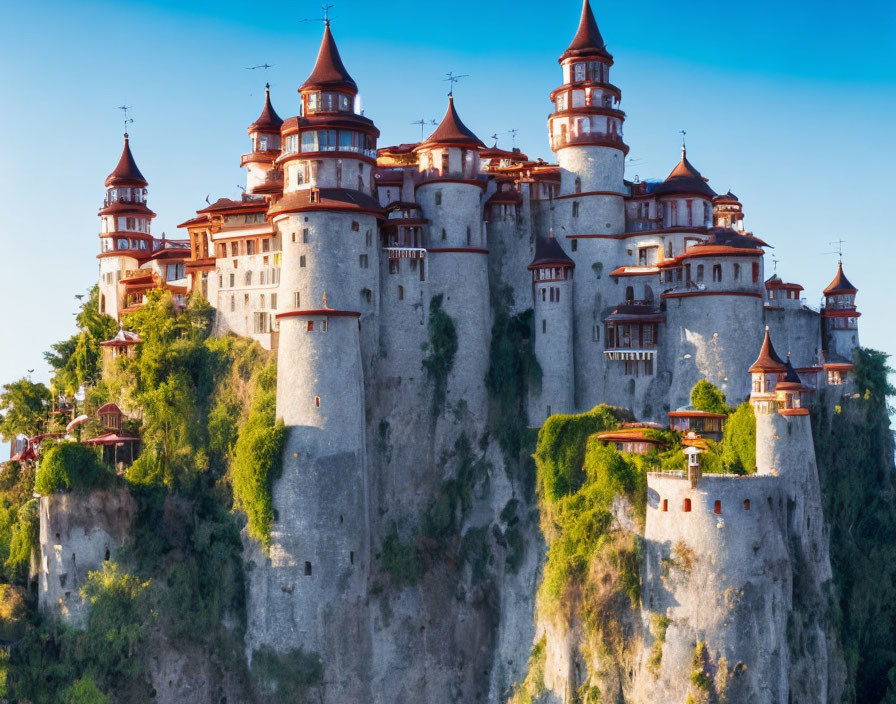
260,163
552,287
449,195
312,588
586,135
840,326
125,236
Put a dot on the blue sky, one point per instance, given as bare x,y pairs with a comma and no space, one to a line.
788,104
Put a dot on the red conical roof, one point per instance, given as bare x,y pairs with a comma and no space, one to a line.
452,131
329,71
126,173
840,284
768,360
269,120
587,42
685,179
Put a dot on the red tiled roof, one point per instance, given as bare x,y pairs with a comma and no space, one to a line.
775,282
269,120
768,360
126,173
329,71
109,408
840,284
685,179
327,198
587,41
452,131
228,204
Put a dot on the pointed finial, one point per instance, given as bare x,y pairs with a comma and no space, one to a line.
127,121
452,79
684,146
267,87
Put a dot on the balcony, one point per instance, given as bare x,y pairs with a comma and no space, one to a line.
630,354
405,252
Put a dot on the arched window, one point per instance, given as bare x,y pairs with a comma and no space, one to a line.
317,401
716,272
366,296
746,504
699,273
629,293
717,507
401,293
687,505
665,505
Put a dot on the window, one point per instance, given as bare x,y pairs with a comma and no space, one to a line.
297,300
746,504
595,333
665,504
673,213
469,236
234,249
444,234
575,245
368,238
438,198
261,301
544,326
362,261
232,279
173,272
755,272
690,208
575,209
423,270
393,266
629,293
699,273
248,278
266,245
578,184
308,564
687,506
401,293
302,261
356,226
310,326
273,301
261,323
717,272
232,304
717,507
305,235
737,272
250,246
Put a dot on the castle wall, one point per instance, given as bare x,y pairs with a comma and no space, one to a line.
723,579
553,350
796,331
511,246
78,532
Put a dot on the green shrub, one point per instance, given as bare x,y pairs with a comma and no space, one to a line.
84,691
442,349
70,465
24,539
400,560
707,397
739,441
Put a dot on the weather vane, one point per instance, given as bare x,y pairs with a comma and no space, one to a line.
775,262
127,120
452,79
684,135
325,19
838,247
423,122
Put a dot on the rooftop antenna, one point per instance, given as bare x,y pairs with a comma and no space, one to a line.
775,262
838,248
423,122
127,120
512,134
452,79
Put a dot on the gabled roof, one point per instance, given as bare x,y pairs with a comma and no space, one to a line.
329,71
685,179
588,42
768,360
269,120
452,131
840,284
109,408
548,252
126,173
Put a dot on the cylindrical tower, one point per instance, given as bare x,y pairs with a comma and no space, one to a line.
552,287
262,174
125,236
450,197
312,589
840,324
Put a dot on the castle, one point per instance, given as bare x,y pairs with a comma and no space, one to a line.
339,253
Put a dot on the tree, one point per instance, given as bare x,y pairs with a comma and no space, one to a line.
708,398
739,441
26,408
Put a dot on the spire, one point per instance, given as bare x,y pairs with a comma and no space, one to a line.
588,42
269,120
452,131
768,360
685,179
126,173
329,71
840,284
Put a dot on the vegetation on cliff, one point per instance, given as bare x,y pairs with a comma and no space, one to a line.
854,450
441,349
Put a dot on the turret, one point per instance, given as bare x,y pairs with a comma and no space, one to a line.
586,134
840,326
326,220
765,372
125,235
262,175
552,288
728,212
686,197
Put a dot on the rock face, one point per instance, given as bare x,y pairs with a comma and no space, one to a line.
78,532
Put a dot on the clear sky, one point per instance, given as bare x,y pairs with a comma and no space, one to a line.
789,104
